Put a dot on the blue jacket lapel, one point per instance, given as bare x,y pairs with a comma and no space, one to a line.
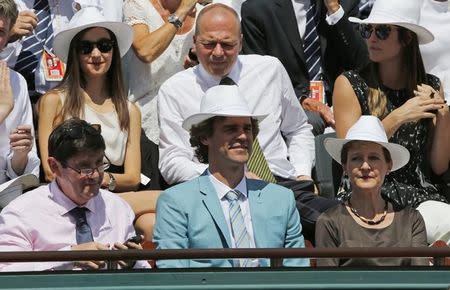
257,211
212,204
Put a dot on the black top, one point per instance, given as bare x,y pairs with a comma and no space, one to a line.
411,184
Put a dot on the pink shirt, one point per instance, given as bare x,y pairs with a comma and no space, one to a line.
39,220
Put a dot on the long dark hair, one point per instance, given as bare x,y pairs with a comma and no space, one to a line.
74,80
412,63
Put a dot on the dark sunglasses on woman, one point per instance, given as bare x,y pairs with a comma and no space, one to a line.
104,45
382,31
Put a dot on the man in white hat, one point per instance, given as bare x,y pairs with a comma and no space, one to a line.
222,208
285,136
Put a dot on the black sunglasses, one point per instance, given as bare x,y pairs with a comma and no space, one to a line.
381,31
78,132
104,45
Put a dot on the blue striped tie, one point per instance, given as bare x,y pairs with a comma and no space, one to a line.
33,45
239,232
83,230
311,44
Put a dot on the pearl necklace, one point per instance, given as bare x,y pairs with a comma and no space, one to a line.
367,221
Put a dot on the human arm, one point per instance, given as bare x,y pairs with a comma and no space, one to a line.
176,156
24,25
6,95
326,237
150,45
171,229
17,233
343,36
440,147
295,128
130,178
345,106
419,107
50,106
22,157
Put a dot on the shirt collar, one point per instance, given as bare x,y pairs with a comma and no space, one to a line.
65,203
213,80
223,189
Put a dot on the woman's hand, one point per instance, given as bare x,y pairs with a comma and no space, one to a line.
425,103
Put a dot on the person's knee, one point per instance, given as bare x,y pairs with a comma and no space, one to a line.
437,220
144,224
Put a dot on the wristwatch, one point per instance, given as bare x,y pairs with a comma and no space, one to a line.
112,182
173,18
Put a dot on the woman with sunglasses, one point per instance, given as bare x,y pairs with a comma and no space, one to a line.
395,87
92,89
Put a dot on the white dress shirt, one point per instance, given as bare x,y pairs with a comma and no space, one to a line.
39,220
285,136
20,115
222,191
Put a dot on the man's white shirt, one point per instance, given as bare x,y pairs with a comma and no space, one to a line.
285,136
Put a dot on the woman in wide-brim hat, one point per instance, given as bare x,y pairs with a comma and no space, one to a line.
395,87
93,89
366,219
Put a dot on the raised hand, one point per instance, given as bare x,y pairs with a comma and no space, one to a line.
24,26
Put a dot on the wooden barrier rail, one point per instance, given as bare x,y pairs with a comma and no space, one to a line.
275,255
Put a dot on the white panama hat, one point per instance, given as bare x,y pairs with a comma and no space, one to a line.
368,128
86,18
405,13
221,100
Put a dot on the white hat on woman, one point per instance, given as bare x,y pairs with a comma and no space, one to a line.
89,17
221,100
404,13
370,129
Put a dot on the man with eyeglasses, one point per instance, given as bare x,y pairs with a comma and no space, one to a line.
72,212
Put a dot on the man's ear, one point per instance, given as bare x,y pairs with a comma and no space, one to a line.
53,164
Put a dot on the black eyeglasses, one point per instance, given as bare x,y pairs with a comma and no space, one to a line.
88,172
104,45
381,31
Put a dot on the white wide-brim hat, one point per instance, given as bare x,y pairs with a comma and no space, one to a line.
222,100
370,129
404,13
86,18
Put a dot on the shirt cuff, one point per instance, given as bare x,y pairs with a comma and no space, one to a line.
334,18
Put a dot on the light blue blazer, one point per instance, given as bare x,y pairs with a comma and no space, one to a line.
189,215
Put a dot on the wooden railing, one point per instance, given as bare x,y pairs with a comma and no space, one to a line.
275,255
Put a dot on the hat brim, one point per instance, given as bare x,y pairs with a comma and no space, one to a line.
122,31
200,117
399,154
424,36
